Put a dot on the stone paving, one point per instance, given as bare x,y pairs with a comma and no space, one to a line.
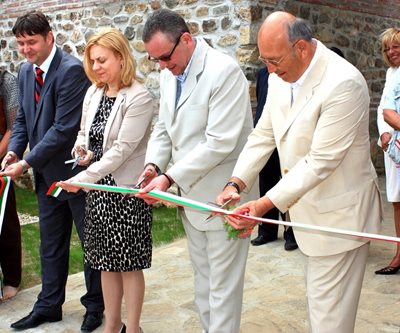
274,297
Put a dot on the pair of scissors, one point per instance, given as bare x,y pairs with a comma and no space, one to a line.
226,203
82,150
128,195
76,162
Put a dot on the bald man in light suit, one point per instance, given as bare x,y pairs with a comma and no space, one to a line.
322,136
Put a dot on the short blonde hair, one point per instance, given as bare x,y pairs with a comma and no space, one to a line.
114,40
389,36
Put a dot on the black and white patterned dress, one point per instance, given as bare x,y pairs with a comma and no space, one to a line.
117,233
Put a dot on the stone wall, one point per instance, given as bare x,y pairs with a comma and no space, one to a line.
230,26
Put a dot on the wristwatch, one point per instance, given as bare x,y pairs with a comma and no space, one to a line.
235,185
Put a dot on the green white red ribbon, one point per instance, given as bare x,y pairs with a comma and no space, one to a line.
4,187
54,190
189,203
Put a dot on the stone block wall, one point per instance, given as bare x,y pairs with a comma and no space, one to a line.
230,26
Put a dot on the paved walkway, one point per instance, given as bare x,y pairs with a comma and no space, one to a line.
274,297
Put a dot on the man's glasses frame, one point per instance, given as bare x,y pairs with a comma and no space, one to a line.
166,57
276,62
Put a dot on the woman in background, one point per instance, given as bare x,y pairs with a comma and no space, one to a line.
10,232
112,141
390,41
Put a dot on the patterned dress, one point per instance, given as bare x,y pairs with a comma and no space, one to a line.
117,233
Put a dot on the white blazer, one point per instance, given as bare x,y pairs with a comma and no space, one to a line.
324,150
203,136
125,135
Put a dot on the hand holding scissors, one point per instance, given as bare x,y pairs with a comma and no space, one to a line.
82,157
223,206
128,195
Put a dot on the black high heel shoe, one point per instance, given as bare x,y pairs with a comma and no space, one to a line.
123,329
388,270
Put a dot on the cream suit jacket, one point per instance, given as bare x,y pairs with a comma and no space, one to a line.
203,136
324,149
125,135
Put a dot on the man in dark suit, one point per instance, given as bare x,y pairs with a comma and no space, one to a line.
269,176
48,120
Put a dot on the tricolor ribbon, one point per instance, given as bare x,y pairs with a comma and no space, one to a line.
54,190
4,187
189,203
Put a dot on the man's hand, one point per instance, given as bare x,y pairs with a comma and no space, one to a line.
9,159
255,208
227,194
160,183
149,173
152,182
14,170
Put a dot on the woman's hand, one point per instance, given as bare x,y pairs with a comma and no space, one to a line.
385,138
85,156
67,186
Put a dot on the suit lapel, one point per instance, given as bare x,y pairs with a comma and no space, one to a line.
50,75
93,106
114,111
306,91
196,68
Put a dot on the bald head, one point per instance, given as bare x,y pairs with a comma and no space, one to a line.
286,46
276,25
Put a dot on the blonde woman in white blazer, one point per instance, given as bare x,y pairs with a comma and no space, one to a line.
112,141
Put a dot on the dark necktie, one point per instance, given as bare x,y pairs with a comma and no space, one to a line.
38,83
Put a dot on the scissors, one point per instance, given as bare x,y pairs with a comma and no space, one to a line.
226,203
79,157
128,195
76,162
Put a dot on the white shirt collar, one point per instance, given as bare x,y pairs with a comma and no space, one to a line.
296,85
46,64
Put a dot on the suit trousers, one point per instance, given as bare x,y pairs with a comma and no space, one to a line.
269,176
10,243
333,290
219,266
55,222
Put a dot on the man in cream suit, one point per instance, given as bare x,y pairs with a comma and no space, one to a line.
328,179
204,120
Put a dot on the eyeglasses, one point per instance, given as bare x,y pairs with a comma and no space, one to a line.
276,62
167,57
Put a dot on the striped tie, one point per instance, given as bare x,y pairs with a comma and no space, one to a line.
38,83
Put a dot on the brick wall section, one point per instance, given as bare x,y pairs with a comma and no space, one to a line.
230,26
384,8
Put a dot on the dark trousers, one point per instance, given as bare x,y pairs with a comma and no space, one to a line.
269,176
55,221
10,243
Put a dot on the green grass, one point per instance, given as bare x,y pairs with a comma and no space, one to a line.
167,227
26,201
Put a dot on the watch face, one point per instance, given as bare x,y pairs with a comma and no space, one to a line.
233,184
